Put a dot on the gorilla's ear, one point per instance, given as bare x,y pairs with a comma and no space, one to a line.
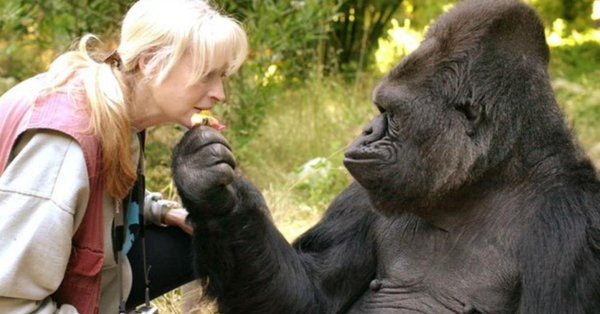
517,30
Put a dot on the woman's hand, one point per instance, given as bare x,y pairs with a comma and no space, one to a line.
163,212
176,217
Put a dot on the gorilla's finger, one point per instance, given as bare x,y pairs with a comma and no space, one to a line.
205,184
221,174
205,134
217,153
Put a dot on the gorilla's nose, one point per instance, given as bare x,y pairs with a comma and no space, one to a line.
374,131
367,131
362,147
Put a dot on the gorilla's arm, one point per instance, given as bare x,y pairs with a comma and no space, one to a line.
241,256
250,268
343,243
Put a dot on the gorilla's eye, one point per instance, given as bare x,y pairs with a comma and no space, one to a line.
381,109
467,110
466,107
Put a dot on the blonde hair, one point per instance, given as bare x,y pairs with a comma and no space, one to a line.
162,31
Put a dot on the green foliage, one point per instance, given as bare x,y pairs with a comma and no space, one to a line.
575,67
331,35
318,180
34,32
406,31
356,27
576,12
283,38
286,33
400,41
421,13
578,63
575,70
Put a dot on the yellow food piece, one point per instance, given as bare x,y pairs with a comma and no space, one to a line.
205,117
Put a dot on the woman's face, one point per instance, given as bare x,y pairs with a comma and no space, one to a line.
174,101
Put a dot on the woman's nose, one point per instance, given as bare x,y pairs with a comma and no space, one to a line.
217,91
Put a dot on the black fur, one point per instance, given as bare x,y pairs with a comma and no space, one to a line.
471,195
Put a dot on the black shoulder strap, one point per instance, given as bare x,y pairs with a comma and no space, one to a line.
137,195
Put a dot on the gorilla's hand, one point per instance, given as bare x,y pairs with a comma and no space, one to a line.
203,170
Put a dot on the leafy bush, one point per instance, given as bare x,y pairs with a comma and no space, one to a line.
317,181
35,32
575,67
283,38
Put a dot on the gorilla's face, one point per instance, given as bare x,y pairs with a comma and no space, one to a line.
462,106
426,140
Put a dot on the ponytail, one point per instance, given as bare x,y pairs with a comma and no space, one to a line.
110,122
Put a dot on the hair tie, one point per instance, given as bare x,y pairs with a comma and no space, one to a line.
113,59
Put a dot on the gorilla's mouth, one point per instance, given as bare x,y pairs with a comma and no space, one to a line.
374,152
369,164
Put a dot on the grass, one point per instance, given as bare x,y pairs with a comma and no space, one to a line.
307,122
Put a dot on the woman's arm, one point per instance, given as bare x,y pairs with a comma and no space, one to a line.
43,196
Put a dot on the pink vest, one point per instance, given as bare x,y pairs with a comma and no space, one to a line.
20,111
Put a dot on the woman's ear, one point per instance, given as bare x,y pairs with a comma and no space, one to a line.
144,64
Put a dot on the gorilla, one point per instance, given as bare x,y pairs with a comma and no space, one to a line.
470,194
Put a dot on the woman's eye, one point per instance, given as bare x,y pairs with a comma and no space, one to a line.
207,78
213,75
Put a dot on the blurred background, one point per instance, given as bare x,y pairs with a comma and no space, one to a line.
305,90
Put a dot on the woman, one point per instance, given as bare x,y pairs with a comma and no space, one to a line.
70,158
